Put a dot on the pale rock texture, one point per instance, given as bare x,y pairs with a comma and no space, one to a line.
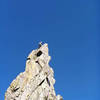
36,82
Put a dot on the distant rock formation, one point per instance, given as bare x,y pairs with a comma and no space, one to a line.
36,82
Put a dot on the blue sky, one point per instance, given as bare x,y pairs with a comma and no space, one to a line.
71,29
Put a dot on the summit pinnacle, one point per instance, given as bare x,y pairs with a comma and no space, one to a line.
37,81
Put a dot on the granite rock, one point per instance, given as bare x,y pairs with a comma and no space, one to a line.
37,81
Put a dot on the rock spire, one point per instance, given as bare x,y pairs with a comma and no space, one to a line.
37,81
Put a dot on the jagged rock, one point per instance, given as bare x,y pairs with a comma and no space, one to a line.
36,82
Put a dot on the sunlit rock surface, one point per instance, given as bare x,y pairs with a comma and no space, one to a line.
36,82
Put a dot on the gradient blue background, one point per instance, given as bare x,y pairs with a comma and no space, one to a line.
71,29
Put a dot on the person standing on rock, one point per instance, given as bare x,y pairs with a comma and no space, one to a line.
40,44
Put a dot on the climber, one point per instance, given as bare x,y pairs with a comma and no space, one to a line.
40,44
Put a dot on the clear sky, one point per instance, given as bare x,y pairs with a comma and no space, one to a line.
71,29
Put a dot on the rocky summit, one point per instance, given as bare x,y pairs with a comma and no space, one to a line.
37,81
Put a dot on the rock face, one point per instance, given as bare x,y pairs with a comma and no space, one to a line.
36,82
